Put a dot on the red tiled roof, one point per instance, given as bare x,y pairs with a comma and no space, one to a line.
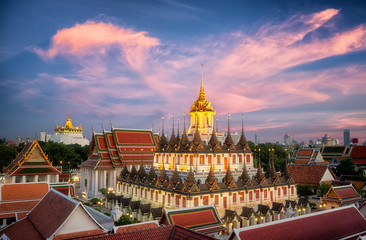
346,193
343,222
48,216
77,235
307,174
51,213
359,160
202,219
136,227
110,149
134,138
342,195
172,232
23,191
28,230
358,152
302,161
305,152
11,207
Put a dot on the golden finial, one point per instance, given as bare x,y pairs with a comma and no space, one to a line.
202,89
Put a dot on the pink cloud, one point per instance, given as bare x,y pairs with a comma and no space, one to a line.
242,73
92,38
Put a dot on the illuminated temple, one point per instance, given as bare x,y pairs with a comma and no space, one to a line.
67,134
191,169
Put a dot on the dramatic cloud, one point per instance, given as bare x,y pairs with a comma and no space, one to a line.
92,39
118,71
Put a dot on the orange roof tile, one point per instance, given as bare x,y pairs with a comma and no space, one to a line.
305,152
7,207
344,221
358,152
91,233
22,191
308,174
172,232
136,227
28,230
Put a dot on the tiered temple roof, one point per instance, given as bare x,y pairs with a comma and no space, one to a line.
31,161
183,145
203,219
112,149
190,185
342,195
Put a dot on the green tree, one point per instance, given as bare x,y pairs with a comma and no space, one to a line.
125,220
323,189
304,190
7,154
68,156
95,200
346,167
103,191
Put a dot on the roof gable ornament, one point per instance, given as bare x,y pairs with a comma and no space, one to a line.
133,172
274,175
175,179
244,177
177,141
197,143
163,177
173,140
152,175
214,142
260,177
229,179
211,181
124,173
190,184
163,143
142,173
286,173
184,141
243,143
229,142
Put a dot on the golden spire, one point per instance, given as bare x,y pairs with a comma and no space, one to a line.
202,89
68,123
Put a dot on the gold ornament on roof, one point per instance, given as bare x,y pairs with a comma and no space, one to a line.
69,127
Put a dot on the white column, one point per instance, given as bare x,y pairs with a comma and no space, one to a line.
57,178
105,179
114,179
96,182
100,180
92,181
82,179
24,179
36,178
88,181
48,178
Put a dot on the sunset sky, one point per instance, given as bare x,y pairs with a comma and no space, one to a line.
288,66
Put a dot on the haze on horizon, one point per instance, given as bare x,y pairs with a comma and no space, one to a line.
287,66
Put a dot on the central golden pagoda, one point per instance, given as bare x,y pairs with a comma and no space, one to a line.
202,113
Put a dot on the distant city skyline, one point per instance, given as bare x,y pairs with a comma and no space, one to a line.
288,67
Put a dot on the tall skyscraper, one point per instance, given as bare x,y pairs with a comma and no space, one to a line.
347,137
287,139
